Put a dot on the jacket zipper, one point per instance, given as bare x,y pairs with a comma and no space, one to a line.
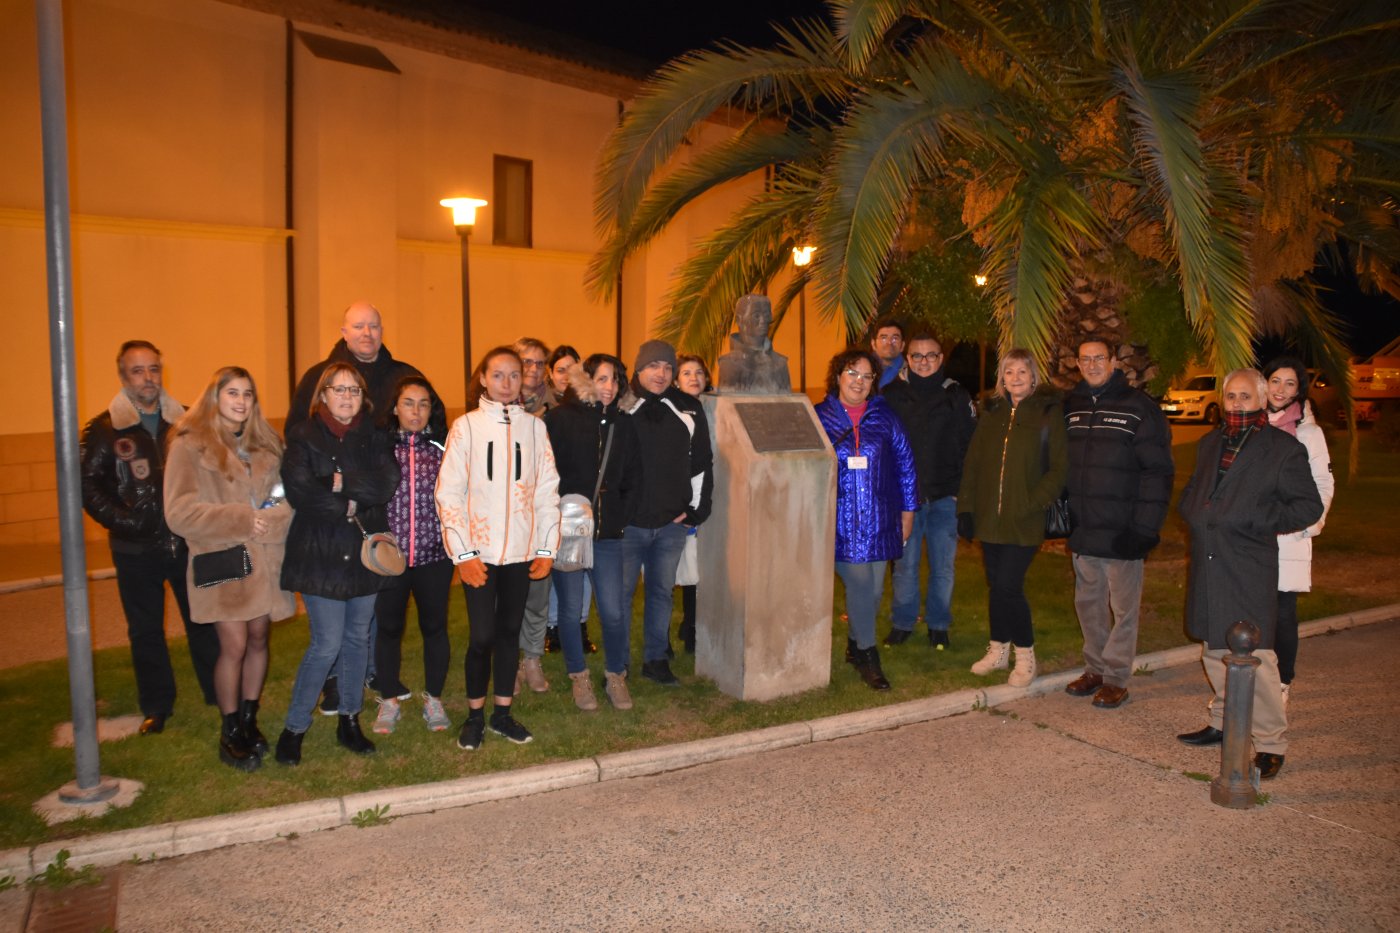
412,497
505,543
1005,442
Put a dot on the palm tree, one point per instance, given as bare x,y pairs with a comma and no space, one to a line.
1221,146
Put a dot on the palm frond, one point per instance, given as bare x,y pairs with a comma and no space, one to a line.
1033,238
1209,249
890,141
743,255
687,90
760,144
861,26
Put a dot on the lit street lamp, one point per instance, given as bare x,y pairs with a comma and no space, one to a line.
463,219
801,257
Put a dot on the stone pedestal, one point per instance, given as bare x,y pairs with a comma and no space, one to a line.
763,605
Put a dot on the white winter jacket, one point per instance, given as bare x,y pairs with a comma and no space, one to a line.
498,491
1295,548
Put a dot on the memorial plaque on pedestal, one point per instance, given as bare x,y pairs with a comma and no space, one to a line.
767,552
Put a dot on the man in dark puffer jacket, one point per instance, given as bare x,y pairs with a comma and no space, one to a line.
1120,483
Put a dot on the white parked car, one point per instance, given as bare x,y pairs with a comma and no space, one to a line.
1197,400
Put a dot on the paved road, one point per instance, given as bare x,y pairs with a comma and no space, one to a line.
1045,815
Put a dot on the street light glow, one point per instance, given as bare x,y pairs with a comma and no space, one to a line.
802,255
981,280
463,210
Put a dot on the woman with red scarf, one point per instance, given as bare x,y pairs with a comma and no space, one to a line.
338,470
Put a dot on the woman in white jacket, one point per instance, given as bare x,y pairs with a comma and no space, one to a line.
1289,411
498,500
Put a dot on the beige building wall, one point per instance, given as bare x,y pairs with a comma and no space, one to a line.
177,136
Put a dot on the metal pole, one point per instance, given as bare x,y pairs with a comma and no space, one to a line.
1235,786
53,104
465,232
802,337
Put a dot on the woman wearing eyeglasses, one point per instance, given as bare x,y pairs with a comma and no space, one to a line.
337,470
876,497
1015,468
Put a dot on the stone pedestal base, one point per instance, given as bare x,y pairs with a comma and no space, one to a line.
763,605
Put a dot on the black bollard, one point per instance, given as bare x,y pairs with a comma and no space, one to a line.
1235,786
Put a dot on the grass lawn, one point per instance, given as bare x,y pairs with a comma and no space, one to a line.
1355,567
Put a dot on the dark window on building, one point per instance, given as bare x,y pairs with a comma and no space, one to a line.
511,212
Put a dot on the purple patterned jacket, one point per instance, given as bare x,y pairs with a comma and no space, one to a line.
413,516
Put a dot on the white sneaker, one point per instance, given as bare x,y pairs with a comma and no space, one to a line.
994,660
1025,668
388,716
434,715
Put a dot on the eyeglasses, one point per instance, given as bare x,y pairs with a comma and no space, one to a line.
342,391
1092,360
924,357
860,376
889,338
534,364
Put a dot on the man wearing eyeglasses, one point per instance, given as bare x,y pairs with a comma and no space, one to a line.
939,418
362,345
534,359
1120,483
888,344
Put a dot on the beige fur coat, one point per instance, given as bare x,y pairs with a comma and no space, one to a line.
213,509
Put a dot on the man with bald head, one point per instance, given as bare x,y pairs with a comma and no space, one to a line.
361,344
1251,484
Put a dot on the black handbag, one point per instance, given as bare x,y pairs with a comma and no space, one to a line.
1058,524
217,567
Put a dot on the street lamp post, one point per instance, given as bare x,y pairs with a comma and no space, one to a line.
463,219
801,257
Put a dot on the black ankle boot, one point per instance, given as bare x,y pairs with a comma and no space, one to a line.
588,646
289,747
868,666
851,651
248,717
348,733
234,749
687,636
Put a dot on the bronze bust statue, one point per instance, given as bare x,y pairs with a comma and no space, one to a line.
751,367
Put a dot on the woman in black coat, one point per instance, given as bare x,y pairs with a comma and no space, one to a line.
337,469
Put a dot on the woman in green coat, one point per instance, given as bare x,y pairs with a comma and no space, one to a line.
1016,466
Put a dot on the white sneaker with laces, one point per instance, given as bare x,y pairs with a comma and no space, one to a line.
388,716
434,715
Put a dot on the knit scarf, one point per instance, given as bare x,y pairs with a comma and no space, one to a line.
336,428
1287,418
1238,426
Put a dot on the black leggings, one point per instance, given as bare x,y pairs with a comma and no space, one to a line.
494,612
430,585
1286,636
1007,608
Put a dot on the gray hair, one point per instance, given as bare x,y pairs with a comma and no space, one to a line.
1261,385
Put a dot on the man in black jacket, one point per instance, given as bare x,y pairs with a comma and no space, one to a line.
123,470
939,418
674,495
1251,484
1120,483
362,344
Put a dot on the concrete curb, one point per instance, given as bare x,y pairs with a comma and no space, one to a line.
53,579
190,836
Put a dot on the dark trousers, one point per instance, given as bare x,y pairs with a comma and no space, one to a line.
1286,636
494,612
1007,608
429,585
141,580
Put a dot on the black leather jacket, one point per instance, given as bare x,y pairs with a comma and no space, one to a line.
123,473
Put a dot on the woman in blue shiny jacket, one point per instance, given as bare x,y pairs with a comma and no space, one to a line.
876,497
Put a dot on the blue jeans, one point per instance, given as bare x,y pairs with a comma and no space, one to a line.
339,627
570,589
659,551
865,587
614,612
583,603
935,524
